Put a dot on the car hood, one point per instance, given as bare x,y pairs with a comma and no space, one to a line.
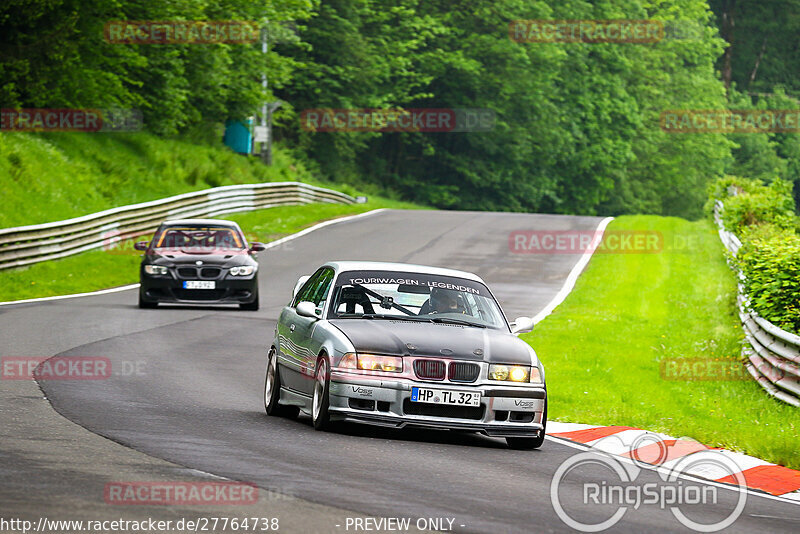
183,257
383,336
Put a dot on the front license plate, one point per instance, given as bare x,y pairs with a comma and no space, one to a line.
445,396
199,284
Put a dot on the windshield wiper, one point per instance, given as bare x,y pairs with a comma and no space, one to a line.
448,320
397,317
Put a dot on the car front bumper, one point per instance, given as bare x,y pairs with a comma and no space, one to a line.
505,411
227,291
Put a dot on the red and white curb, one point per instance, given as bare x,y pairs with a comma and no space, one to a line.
661,450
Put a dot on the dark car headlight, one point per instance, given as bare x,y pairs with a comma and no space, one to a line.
156,269
244,270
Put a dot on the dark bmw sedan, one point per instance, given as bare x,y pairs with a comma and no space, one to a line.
199,261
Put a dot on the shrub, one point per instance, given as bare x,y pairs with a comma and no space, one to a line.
771,204
770,261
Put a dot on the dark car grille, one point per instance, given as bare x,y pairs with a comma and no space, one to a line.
187,272
209,272
464,372
199,294
442,410
191,273
429,369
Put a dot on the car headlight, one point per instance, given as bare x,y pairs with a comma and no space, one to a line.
244,270
372,362
509,373
156,269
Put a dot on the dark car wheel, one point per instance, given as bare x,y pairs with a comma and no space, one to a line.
250,306
320,415
272,391
527,444
145,304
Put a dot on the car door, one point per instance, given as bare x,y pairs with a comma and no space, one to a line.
294,372
306,336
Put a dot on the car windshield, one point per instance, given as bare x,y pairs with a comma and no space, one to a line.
415,297
198,237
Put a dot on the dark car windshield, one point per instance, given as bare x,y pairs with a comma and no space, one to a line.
415,297
207,238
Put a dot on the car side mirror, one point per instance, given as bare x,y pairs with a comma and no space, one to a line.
521,325
300,281
255,246
141,245
307,309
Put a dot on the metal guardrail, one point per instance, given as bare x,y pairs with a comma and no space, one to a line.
773,354
25,245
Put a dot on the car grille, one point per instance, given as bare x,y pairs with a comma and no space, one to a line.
199,294
463,372
187,272
442,410
429,369
209,272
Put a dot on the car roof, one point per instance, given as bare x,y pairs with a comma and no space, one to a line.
200,222
341,266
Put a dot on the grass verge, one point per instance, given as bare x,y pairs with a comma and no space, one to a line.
630,313
100,269
54,176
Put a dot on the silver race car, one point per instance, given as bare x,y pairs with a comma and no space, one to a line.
402,345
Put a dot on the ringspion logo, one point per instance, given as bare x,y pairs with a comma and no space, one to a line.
181,32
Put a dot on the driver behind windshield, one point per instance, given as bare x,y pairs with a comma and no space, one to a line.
444,301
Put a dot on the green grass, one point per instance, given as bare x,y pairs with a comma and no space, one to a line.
54,176
100,269
602,347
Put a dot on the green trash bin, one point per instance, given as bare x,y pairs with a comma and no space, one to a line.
238,136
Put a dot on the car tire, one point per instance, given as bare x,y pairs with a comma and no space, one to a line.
250,306
272,391
320,403
146,305
526,444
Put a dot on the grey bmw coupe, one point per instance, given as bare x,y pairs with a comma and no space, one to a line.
402,345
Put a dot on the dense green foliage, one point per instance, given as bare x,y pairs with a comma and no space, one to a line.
577,127
771,265
762,217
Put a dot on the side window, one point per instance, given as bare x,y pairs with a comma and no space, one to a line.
322,287
308,288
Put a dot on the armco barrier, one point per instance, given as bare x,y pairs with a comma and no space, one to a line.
773,355
25,245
